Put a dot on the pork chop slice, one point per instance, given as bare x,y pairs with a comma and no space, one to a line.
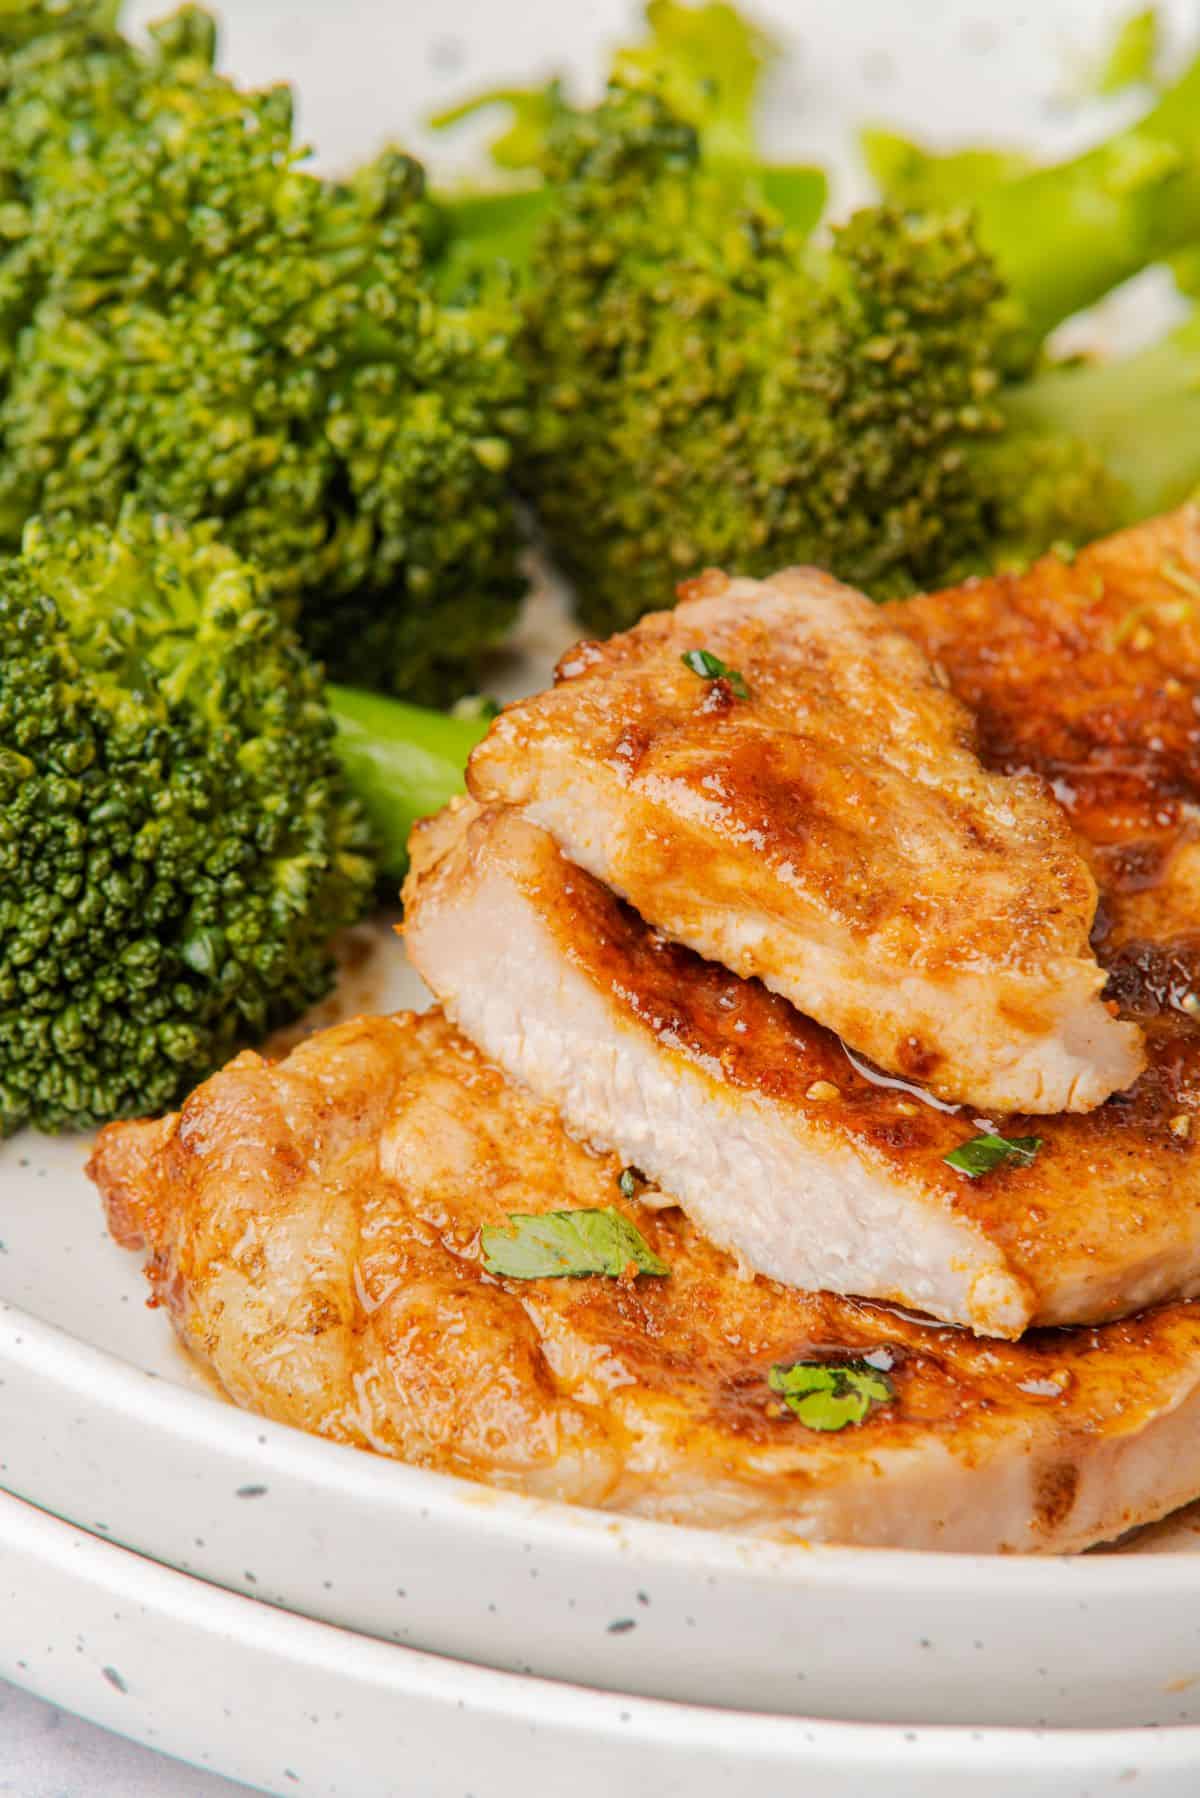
314,1229
782,1146
816,817
1087,673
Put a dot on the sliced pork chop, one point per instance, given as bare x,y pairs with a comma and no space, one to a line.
1088,674
314,1229
817,817
806,1163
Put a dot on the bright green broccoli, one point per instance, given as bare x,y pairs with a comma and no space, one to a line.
711,389
178,836
1099,444
704,61
191,322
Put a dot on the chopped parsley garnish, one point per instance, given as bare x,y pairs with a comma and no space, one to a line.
829,1395
557,1244
983,1153
710,667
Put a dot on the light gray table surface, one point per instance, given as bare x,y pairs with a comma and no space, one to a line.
44,1753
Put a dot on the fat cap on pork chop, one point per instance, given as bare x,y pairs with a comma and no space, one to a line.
314,1230
817,817
782,1148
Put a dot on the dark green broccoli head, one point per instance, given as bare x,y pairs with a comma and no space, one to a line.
177,845
64,31
211,331
714,391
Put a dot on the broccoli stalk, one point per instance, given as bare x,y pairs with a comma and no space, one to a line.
402,763
180,838
1065,235
1127,429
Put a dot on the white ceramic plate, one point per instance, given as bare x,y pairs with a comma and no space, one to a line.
295,1707
102,1421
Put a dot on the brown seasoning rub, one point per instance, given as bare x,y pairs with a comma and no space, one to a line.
829,830
313,1228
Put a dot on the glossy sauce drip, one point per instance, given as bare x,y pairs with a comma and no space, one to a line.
1137,867
867,1070
1157,980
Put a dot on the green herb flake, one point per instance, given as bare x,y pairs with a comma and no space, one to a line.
628,1183
710,667
829,1395
983,1153
567,1244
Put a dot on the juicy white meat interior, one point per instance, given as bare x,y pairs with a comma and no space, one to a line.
779,1146
818,818
314,1230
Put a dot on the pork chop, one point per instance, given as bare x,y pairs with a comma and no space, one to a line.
1087,673
815,816
315,1230
782,1146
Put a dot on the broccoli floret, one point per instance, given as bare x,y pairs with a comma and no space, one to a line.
704,61
714,394
194,323
713,390
177,839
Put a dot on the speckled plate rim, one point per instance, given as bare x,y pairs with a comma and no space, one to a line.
287,1703
163,1409
587,1597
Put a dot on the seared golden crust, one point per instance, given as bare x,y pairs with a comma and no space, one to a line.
792,767
1088,674
314,1229
824,825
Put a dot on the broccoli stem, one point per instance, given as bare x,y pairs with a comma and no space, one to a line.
1140,415
403,762
1065,235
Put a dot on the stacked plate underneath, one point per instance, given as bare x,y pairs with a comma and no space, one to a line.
289,1704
